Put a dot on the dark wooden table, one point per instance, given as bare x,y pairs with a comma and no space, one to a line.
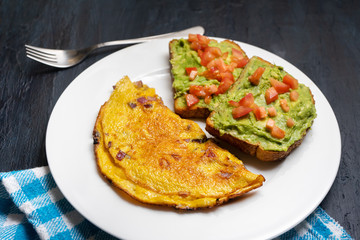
321,38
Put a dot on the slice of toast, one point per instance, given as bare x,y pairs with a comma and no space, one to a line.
182,56
251,132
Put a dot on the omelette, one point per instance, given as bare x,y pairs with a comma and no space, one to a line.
156,157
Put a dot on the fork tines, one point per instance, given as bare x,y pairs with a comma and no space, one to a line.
38,54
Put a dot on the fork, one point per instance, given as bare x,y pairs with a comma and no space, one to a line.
68,58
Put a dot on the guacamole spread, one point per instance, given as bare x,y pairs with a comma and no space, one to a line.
249,128
183,56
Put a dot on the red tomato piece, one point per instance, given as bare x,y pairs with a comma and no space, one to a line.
231,66
215,51
208,99
237,53
271,95
290,122
217,63
284,105
241,63
224,85
203,39
270,124
212,73
189,69
279,86
234,103
277,132
191,100
206,58
294,96
209,90
197,90
239,58
196,46
240,111
192,37
225,55
291,81
227,75
272,111
260,113
192,75
255,77
247,100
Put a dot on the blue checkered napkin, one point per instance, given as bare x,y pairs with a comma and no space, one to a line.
32,207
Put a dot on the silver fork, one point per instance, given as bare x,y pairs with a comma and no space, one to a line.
68,58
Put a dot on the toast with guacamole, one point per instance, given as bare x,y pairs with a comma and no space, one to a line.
201,69
266,112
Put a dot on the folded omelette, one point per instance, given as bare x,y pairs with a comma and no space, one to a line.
155,156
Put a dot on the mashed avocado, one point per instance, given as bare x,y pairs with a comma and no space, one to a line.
250,129
183,57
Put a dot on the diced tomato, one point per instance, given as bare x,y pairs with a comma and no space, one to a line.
227,75
279,86
192,75
247,100
217,63
271,95
242,62
239,58
272,111
284,105
237,53
197,90
189,69
207,99
290,122
196,46
206,58
234,103
270,124
224,85
209,90
191,100
225,55
231,67
214,50
192,37
291,81
203,39
294,96
212,73
240,111
255,77
260,113
277,132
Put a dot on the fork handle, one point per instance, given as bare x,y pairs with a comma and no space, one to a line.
182,33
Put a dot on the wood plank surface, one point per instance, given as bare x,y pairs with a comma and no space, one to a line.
321,38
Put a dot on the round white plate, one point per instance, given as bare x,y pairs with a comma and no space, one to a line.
293,188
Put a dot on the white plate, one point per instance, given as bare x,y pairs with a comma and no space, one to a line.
293,188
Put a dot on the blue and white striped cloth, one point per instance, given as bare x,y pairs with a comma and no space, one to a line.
32,207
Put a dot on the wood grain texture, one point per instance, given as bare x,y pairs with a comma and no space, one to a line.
321,38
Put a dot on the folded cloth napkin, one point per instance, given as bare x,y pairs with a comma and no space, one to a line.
32,207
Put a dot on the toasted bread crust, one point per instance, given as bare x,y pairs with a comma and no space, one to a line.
252,149
192,112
